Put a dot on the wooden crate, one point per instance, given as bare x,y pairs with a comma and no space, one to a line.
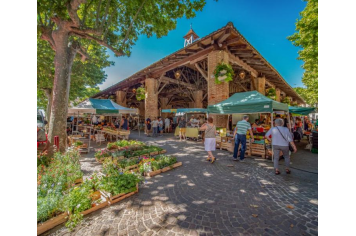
224,139
218,145
51,223
258,149
218,139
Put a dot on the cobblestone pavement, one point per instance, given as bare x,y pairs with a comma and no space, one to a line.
200,198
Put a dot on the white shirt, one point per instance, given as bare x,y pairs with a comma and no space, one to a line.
154,123
167,121
281,137
94,119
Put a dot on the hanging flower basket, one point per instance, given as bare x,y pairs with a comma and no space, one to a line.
223,72
140,93
271,93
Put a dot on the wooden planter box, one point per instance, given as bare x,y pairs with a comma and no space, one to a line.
175,165
104,203
163,151
153,173
78,181
101,161
131,167
51,223
258,149
121,196
154,153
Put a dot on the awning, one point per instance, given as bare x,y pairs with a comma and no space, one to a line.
247,102
100,107
301,110
185,110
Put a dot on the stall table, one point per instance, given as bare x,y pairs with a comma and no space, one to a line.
189,132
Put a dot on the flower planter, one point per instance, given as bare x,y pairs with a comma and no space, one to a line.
97,206
153,173
51,223
121,196
175,165
154,153
78,181
131,167
163,151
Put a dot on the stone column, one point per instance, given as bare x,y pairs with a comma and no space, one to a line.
217,92
261,85
278,95
151,99
198,99
121,98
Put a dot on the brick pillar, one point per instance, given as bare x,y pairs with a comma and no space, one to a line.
278,95
121,98
198,99
261,85
217,92
151,100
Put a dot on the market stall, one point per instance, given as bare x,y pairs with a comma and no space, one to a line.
251,102
312,135
102,107
192,130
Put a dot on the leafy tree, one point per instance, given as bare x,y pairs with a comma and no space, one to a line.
306,37
115,24
307,95
84,77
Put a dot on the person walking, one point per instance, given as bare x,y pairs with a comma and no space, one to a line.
210,138
281,138
148,126
124,123
167,123
182,128
155,126
160,126
240,137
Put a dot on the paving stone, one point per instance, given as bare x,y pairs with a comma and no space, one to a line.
217,204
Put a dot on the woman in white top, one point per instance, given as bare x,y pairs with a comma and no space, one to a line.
281,138
210,138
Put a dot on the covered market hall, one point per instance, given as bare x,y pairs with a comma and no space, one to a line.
185,78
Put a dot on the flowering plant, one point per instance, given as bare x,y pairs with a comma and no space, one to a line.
102,154
115,181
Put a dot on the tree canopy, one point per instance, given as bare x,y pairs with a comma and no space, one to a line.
306,37
85,75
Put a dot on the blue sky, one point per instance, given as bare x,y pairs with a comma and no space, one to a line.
264,23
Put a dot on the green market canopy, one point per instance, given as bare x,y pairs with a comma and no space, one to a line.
185,110
301,110
247,102
100,107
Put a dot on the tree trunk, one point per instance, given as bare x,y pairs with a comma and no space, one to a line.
63,62
48,93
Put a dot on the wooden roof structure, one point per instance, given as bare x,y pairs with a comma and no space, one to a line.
227,38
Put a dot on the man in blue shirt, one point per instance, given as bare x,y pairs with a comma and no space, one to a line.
240,137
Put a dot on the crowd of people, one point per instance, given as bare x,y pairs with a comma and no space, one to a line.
156,125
